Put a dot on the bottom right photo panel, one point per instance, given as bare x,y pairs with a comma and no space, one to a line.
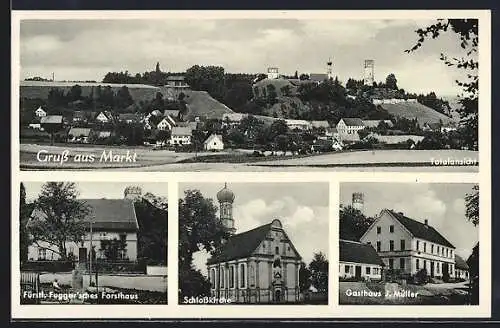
409,243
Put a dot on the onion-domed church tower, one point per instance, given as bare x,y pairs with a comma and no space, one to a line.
226,199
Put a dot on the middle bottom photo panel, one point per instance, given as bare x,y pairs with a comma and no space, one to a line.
253,243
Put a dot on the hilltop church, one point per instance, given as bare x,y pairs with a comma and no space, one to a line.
257,266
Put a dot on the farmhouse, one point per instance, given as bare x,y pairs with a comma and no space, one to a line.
40,112
349,126
298,124
112,218
407,245
359,261
181,135
257,266
167,123
461,268
79,117
214,142
104,117
174,113
129,118
320,124
51,119
79,135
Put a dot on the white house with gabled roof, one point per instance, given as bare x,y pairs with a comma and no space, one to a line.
407,245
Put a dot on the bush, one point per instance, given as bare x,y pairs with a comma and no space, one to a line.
421,277
114,267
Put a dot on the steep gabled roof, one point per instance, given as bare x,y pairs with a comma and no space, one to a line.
460,263
356,252
420,230
113,214
213,136
353,121
181,131
241,245
107,215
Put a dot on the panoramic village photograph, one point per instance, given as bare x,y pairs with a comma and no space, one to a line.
413,243
250,243
93,243
249,94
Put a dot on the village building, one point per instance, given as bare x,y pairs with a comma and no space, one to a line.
461,268
433,127
79,117
104,117
349,126
177,81
257,266
214,142
320,124
298,124
174,113
167,123
359,261
129,118
181,135
407,246
111,219
79,135
40,112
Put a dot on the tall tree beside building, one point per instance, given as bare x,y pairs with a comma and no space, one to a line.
468,32
391,82
206,78
319,272
472,206
60,217
24,215
199,229
353,223
304,277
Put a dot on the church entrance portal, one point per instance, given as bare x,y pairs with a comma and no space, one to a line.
277,296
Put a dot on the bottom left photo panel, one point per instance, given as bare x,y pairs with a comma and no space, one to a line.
93,242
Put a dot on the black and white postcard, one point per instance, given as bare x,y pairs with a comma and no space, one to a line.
93,243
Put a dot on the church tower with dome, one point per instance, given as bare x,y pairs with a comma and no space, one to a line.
226,199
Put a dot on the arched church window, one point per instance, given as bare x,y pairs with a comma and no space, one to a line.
221,278
277,250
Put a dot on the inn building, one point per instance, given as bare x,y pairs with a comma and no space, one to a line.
407,245
256,266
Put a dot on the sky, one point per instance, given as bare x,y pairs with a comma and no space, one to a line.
302,208
443,205
93,190
88,49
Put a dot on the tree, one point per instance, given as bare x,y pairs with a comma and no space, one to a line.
199,227
353,223
278,127
59,217
24,215
192,283
75,93
152,216
271,93
123,98
304,277
391,82
319,272
467,30
472,206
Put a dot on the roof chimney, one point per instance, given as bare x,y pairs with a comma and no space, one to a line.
426,222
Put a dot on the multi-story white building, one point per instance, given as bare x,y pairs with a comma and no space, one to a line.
407,245
350,125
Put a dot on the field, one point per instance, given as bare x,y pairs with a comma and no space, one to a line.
165,160
411,111
37,89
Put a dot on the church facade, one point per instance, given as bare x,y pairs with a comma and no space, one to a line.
257,266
